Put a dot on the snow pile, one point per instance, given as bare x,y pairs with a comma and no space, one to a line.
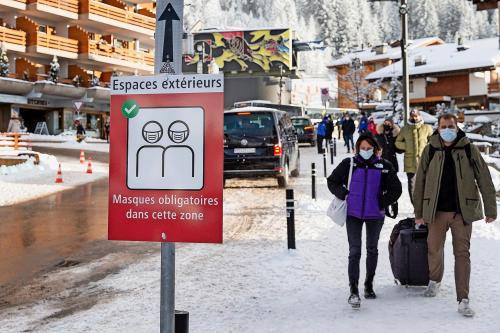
68,136
28,181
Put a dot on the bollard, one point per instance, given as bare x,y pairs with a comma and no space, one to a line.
181,321
324,163
335,147
290,219
313,182
331,152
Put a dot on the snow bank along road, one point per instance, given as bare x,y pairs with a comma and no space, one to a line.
251,283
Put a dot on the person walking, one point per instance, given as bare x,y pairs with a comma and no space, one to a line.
372,127
348,129
386,137
339,125
411,141
106,129
374,186
450,176
80,131
330,127
363,123
321,134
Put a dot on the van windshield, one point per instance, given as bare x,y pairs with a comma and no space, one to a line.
300,122
254,124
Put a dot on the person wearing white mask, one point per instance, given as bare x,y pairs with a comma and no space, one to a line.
374,186
450,176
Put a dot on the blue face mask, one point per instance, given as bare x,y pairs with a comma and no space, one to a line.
448,134
366,154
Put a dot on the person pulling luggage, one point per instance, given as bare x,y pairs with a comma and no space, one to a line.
449,178
374,186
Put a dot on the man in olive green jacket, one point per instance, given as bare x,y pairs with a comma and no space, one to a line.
412,140
449,178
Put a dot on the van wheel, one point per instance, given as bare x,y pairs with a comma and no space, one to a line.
283,180
296,171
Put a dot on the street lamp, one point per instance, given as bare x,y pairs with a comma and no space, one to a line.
403,12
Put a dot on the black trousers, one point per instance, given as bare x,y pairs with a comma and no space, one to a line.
411,184
319,142
354,228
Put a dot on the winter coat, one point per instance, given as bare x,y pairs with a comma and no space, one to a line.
363,124
472,177
321,131
80,130
387,141
329,129
374,186
372,128
14,126
348,127
412,140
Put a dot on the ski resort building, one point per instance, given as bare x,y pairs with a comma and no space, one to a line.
352,69
92,40
464,75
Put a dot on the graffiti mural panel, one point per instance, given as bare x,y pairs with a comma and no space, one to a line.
242,51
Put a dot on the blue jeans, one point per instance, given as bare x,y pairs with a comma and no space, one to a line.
347,138
354,227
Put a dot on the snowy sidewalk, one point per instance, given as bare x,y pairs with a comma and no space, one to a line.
251,283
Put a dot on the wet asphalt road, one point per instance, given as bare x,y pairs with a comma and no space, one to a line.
40,234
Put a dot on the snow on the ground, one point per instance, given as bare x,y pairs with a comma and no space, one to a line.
68,136
485,138
28,181
252,283
100,147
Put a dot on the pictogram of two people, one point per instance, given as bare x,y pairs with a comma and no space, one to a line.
152,133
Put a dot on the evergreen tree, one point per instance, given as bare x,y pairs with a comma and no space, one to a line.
54,70
423,19
4,62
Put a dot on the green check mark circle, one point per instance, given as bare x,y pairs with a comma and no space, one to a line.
130,108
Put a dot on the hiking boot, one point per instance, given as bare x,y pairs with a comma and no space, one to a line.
354,299
369,293
432,289
464,308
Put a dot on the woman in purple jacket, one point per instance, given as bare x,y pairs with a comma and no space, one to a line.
374,186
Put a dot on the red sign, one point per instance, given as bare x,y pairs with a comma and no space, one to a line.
166,159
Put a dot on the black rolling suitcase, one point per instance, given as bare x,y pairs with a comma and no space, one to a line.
408,253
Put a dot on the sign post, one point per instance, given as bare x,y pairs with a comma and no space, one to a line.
166,157
168,48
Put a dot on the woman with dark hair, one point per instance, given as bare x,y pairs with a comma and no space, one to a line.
374,186
386,137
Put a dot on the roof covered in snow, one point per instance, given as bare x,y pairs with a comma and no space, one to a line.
392,52
480,53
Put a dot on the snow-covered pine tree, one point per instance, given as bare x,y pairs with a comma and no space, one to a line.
4,62
54,70
423,19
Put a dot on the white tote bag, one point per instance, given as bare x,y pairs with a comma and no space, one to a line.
337,210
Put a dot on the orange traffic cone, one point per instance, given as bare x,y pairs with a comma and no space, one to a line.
89,166
82,157
59,178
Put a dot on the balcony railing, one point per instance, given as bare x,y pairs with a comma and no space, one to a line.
121,15
106,50
68,5
12,36
494,87
57,42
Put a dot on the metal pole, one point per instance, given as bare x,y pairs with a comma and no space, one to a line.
169,25
331,152
403,11
313,180
290,219
324,162
335,147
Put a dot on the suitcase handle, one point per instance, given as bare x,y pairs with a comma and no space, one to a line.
420,235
